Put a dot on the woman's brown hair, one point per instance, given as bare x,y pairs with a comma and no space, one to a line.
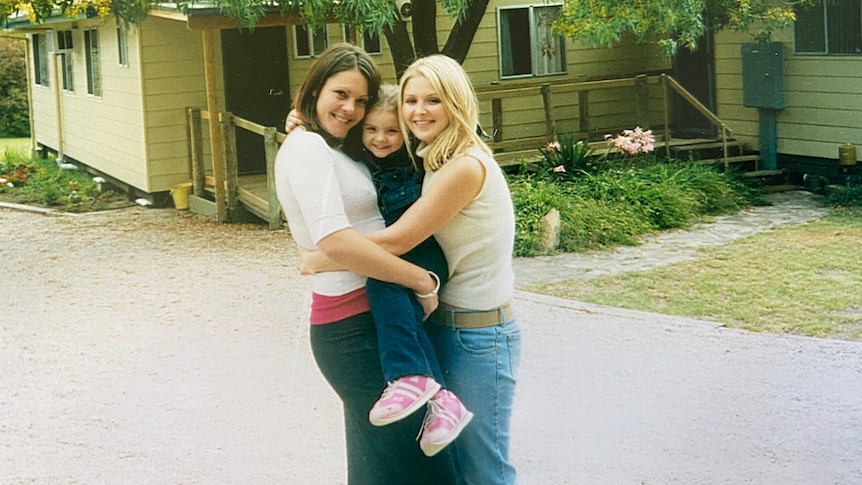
337,58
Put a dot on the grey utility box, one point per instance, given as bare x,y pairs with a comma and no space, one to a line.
762,75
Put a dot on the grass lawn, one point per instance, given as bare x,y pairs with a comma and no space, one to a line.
14,145
802,280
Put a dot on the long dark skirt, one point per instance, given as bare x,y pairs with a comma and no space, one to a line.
346,353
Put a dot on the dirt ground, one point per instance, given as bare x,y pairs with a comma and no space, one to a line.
152,346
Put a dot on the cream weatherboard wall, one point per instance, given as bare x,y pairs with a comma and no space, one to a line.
105,132
172,78
822,97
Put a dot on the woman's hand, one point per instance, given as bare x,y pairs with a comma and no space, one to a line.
293,121
314,261
429,301
428,305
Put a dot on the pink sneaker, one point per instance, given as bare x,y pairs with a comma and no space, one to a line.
401,398
445,419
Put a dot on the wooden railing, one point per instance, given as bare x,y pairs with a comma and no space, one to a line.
228,204
509,147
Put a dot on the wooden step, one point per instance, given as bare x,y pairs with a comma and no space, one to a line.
736,159
706,146
763,173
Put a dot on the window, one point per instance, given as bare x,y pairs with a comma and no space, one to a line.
40,59
829,27
309,42
370,41
94,71
528,47
123,47
64,49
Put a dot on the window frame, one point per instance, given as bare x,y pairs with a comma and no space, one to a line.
65,48
122,46
350,34
309,41
93,62
41,59
824,16
534,51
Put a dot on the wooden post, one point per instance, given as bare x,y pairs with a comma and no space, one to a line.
584,113
196,156
231,171
216,144
271,149
550,128
665,88
27,66
497,117
58,106
642,101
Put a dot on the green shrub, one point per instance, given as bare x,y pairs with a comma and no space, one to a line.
30,179
14,113
849,195
622,201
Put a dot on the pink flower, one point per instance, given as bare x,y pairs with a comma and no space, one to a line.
559,169
632,142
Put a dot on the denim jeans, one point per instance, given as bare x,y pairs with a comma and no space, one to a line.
346,353
481,367
404,346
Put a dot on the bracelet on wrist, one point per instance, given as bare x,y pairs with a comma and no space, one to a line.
436,288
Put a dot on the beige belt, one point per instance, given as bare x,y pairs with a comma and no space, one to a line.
456,317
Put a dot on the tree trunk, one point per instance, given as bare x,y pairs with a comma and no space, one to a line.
399,46
425,27
458,44
425,34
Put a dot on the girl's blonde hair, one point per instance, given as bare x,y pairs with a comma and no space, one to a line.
387,100
457,97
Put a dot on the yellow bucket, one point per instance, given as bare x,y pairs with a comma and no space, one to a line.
180,194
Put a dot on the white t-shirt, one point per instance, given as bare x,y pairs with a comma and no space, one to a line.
322,191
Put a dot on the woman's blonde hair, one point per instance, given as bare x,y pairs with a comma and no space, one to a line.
457,97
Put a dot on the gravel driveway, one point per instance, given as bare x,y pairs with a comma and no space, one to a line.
151,346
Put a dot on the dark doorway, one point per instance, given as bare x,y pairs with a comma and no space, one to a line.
256,87
695,71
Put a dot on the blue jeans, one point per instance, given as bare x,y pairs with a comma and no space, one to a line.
404,346
481,366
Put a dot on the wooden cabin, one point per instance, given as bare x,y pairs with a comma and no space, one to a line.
186,97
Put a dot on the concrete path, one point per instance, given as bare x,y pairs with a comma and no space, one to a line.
147,346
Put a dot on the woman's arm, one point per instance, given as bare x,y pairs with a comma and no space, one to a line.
455,185
354,252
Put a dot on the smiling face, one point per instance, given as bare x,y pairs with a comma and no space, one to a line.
341,102
423,109
380,133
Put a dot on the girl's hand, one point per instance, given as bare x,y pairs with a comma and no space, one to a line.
293,121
